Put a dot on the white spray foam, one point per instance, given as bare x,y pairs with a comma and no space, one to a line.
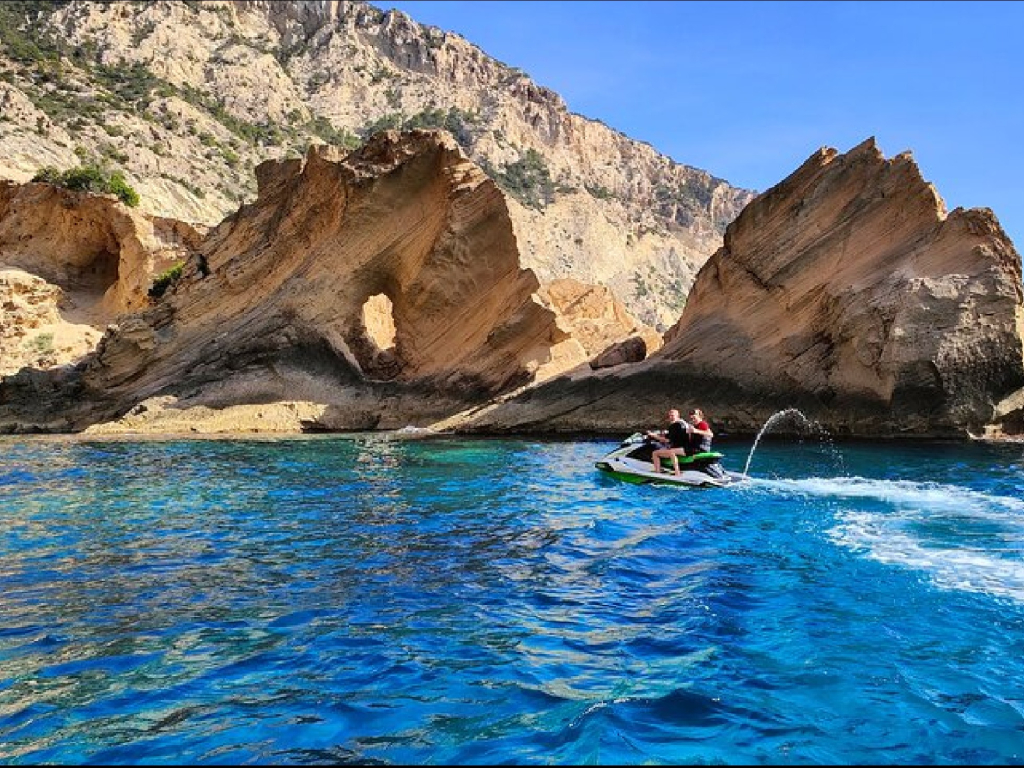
883,536
937,497
970,569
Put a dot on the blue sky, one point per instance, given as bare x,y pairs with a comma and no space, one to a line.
748,90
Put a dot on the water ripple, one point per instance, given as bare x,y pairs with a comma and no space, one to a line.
370,599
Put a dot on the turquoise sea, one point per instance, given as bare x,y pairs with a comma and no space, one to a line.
380,599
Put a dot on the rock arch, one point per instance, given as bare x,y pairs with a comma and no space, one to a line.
79,260
407,217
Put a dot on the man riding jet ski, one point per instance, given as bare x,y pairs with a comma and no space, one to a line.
684,451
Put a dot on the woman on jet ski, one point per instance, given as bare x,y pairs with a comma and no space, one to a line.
700,433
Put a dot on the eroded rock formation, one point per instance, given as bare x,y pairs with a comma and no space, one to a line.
272,311
847,292
70,263
609,334
385,288
849,286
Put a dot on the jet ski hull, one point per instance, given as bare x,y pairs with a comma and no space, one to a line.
631,462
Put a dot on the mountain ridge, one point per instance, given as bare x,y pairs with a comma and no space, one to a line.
189,97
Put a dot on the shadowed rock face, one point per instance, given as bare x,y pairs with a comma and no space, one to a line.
845,291
273,310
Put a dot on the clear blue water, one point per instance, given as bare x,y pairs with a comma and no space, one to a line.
374,599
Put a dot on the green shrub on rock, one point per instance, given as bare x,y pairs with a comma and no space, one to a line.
164,280
91,178
125,192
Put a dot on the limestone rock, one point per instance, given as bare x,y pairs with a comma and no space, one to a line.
70,263
849,285
28,313
594,316
275,311
608,333
631,350
164,416
847,292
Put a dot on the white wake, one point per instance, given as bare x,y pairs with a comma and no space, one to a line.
964,539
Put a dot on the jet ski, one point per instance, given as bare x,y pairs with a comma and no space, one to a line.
631,462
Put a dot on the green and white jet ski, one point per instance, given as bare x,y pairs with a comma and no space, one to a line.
631,462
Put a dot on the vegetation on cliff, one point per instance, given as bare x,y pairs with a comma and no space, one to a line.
165,280
91,178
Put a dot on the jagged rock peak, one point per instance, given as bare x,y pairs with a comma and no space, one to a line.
383,153
902,169
848,284
845,292
311,14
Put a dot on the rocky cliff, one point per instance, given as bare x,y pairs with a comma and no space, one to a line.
282,304
608,333
188,97
845,291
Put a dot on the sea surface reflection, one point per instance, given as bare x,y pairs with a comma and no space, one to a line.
369,598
